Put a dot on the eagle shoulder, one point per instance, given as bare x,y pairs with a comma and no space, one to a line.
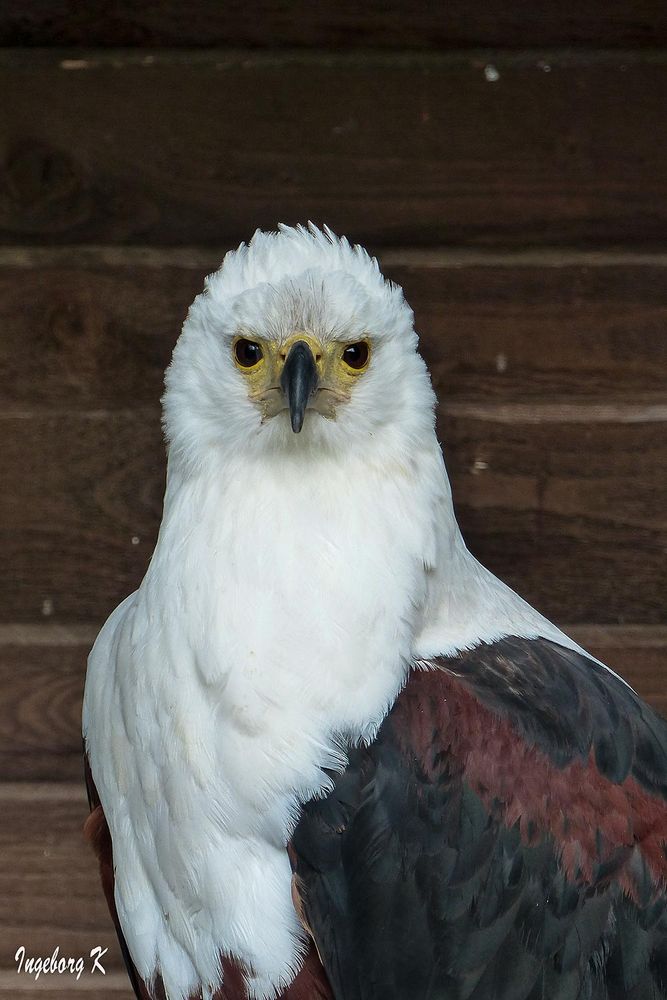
504,836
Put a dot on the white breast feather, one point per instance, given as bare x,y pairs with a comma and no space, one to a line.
273,624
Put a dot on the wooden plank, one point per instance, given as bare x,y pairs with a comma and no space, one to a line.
637,653
343,23
95,328
565,513
83,333
524,332
393,149
114,986
42,683
572,514
50,893
86,491
40,718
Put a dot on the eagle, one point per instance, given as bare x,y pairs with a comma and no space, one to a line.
329,755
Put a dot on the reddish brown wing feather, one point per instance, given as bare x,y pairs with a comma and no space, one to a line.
504,837
590,818
310,983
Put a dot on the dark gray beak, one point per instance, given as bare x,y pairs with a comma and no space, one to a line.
299,381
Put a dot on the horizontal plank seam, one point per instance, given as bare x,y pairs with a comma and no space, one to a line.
46,412
532,257
32,791
12,983
47,635
618,636
198,258
541,58
537,412
549,413
21,634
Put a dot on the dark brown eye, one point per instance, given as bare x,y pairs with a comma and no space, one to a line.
356,355
247,353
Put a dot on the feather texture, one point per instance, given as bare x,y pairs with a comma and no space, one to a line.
480,848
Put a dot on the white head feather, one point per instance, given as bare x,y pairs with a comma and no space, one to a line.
307,280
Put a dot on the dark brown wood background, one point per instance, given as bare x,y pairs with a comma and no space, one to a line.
508,164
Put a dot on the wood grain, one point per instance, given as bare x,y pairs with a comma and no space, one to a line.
392,149
336,23
95,328
40,717
49,888
115,986
571,514
86,490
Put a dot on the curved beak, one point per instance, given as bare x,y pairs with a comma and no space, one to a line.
299,380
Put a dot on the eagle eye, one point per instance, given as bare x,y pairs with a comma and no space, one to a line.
248,353
356,356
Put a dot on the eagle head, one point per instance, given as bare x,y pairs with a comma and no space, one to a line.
297,342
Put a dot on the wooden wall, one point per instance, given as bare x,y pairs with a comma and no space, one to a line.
508,164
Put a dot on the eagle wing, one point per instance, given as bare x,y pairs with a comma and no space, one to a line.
504,837
309,984
97,833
